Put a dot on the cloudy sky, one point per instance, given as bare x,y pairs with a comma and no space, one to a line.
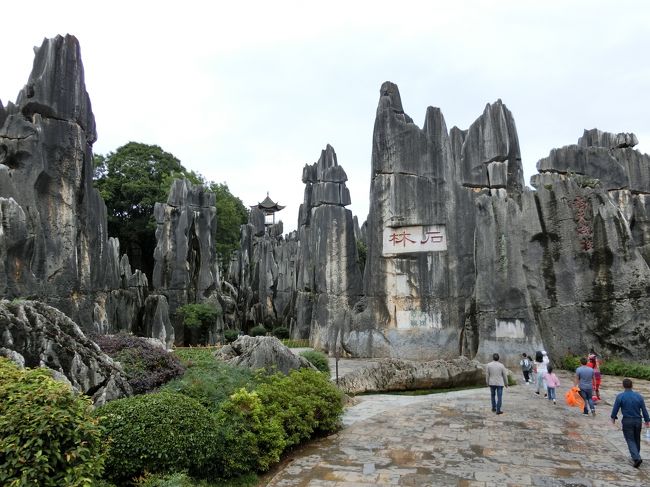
247,93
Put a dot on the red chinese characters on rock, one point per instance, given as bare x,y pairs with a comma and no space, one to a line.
414,239
403,238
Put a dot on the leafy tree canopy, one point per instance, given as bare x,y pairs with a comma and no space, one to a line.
137,176
132,180
231,214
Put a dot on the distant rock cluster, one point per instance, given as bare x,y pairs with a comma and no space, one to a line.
462,257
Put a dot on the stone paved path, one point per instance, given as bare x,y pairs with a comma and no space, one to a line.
454,439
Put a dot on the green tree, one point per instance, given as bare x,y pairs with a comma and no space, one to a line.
132,180
231,214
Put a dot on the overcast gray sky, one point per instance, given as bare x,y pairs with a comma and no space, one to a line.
247,93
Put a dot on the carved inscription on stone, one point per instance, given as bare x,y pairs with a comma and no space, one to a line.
420,238
510,328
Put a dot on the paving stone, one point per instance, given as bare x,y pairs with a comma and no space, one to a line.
455,439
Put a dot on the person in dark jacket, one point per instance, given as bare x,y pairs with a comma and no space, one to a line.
632,407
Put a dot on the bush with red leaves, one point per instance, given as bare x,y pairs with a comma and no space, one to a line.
146,366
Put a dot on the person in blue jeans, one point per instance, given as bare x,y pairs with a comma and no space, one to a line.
497,378
632,407
584,380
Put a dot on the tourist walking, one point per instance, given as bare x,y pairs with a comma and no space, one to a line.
632,407
594,362
497,378
551,380
541,364
584,380
526,366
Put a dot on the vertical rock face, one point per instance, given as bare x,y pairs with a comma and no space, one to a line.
512,270
185,255
53,236
329,280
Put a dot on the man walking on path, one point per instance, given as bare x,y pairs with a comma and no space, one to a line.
632,407
497,378
583,379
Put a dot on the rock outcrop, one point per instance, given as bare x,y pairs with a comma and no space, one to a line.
262,353
186,268
463,258
53,241
329,277
404,375
37,335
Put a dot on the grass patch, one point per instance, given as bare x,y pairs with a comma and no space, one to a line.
291,343
614,366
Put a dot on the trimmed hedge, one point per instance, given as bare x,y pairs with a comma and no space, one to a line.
612,367
161,432
249,438
48,435
318,360
281,332
257,331
230,335
305,402
146,366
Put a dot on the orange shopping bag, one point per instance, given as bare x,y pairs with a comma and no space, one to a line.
573,397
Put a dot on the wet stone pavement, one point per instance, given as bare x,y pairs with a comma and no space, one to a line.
454,439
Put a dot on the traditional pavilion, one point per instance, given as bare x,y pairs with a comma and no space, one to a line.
269,208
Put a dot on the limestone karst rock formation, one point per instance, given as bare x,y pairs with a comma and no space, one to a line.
185,256
563,267
53,240
37,335
310,280
329,278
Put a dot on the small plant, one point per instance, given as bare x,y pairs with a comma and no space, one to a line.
362,253
230,335
250,439
145,365
258,331
48,435
305,402
281,332
198,319
159,432
208,380
318,360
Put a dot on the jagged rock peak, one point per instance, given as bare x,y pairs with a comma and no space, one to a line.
56,87
183,192
598,138
390,96
326,169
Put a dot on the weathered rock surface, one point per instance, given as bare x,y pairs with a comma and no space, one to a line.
405,375
186,268
329,277
262,353
34,334
563,267
53,241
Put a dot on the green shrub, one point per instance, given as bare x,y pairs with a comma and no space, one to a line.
257,331
281,332
570,362
48,435
304,402
625,369
196,315
206,379
182,479
161,432
318,360
250,439
230,335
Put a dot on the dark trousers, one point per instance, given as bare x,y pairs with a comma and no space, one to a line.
587,396
632,435
526,375
496,402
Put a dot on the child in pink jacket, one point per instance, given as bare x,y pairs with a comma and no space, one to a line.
552,382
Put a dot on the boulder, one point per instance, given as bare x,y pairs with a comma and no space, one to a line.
404,375
262,353
36,335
